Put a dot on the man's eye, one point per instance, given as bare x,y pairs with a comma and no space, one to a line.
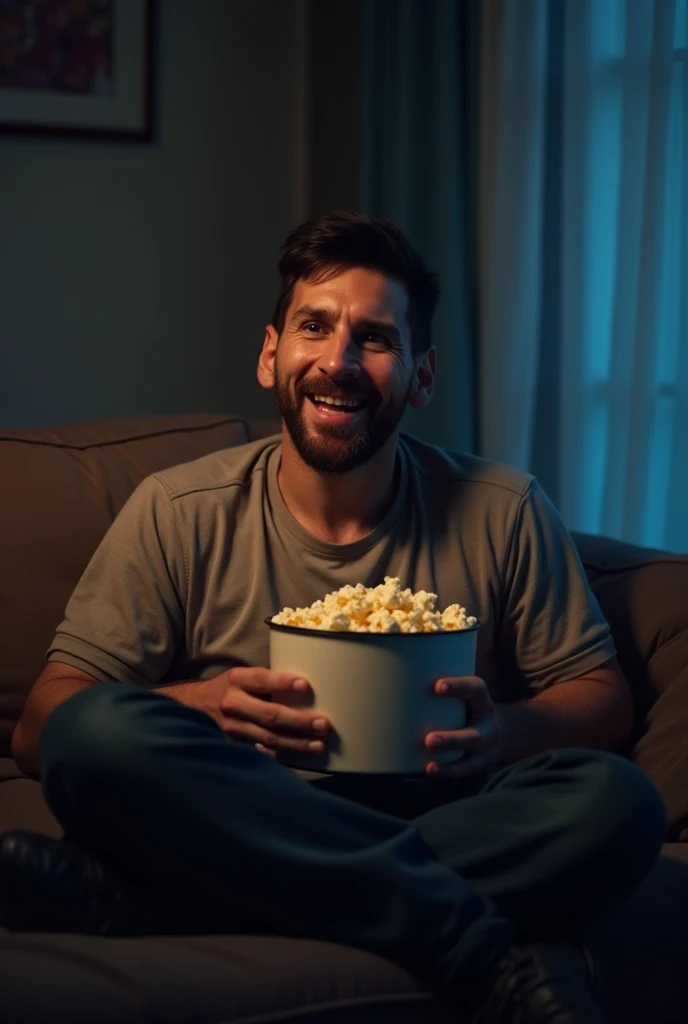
315,326
373,338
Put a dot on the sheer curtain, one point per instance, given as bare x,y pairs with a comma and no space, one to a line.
583,257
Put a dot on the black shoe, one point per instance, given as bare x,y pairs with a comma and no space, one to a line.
541,985
50,885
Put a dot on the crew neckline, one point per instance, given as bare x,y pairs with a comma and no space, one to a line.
322,547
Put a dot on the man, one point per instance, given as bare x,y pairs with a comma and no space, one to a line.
152,724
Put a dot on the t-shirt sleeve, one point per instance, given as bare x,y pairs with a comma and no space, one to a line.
125,619
553,629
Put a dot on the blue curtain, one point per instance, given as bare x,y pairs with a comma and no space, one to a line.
419,119
583,240
537,150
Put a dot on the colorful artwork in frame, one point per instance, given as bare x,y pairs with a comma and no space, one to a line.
77,67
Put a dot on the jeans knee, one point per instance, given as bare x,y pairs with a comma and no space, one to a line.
92,729
622,805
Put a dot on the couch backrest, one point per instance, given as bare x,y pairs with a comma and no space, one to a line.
61,488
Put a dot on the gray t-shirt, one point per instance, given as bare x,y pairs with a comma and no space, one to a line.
203,552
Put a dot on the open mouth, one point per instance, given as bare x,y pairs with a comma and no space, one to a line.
337,410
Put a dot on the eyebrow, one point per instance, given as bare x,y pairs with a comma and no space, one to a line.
329,317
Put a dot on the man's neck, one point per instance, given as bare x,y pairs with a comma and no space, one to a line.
339,508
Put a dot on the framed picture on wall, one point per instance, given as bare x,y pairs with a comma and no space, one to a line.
77,67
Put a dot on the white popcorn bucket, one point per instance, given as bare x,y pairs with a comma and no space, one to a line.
377,690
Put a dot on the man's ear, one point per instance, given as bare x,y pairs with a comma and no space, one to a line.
266,362
423,380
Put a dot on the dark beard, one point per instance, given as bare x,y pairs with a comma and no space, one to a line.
350,449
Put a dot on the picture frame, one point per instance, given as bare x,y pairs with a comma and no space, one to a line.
81,69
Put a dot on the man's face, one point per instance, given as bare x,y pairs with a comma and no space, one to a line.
345,339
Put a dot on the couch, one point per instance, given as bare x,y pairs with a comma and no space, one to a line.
61,488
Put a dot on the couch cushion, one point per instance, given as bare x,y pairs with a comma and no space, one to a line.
64,486
206,980
644,596
22,804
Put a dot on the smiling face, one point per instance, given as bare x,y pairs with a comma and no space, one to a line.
342,369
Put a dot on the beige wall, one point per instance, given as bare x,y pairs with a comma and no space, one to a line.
138,278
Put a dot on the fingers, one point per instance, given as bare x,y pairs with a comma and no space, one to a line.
272,715
264,750
263,681
477,747
245,699
472,764
472,689
249,719
269,742
458,739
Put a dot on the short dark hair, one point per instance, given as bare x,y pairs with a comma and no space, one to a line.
343,239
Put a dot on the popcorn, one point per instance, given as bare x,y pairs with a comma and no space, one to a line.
382,609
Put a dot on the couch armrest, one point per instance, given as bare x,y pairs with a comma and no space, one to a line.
642,593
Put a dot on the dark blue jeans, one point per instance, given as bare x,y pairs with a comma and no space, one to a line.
543,846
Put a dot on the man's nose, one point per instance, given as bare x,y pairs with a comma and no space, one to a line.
340,355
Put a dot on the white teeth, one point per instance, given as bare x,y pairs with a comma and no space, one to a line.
337,401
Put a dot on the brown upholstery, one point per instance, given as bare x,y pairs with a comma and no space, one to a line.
63,487
644,596
203,980
22,804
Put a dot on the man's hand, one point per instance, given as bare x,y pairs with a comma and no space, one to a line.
233,699
479,742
